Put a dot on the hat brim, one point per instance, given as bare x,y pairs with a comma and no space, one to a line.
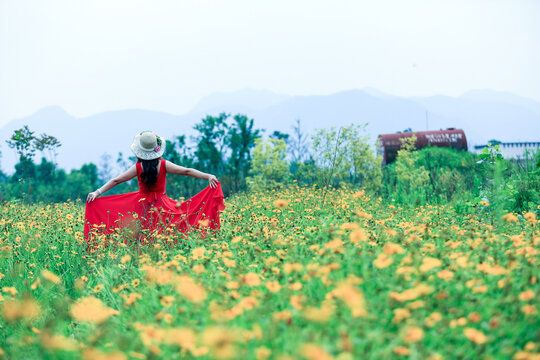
145,154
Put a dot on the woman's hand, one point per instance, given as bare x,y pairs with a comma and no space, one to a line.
213,181
92,196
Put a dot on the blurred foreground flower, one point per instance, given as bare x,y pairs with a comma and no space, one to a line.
92,310
21,309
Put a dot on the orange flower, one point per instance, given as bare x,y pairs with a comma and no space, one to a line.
530,217
392,248
474,335
510,217
322,314
58,342
21,309
92,310
526,295
187,287
382,261
314,352
358,235
198,253
352,297
430,263
400,314
528,309
282,315
50,276
281,203
402,350
251,279
413,334
445,274
273,286
166,300
296,301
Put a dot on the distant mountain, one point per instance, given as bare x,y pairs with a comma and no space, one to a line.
245,98
502,97
483,115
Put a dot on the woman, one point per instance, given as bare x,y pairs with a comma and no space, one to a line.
150,211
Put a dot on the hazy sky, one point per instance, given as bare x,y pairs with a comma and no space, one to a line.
95,55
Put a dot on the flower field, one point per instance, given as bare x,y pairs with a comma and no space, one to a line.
286,277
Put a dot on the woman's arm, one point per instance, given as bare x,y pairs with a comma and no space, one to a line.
127,175
172,168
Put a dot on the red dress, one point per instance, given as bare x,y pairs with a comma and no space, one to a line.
143,216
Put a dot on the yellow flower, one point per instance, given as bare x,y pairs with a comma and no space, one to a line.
131,298
262,353
187,287
251,279
221,341
281,203
413,334
198,253
510,217
58,342
353,297
382,261
282,315
392,248
429,263
400,314
273,286
358,235
97,288
21,309
445,274
91,309
10,289
526,295
528,309
314,352
474,335
402,350
322,314
530,217
166,301
125,259
50,276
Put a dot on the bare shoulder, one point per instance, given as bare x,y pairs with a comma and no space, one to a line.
172,168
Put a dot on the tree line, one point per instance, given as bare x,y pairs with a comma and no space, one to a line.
230,147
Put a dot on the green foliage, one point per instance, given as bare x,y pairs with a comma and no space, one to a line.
344,156
412,178
269,168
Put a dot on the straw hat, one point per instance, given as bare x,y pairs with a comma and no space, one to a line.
148,145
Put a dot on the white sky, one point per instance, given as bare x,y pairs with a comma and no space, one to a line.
90,56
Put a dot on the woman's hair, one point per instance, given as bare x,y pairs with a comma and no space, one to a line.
149,173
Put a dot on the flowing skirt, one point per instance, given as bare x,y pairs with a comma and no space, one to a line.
145,217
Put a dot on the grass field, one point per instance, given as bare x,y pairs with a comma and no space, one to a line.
287,277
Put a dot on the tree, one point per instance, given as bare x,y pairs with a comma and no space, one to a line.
211,142
280,136
49,144
345,156
269,168
241,139
26,144
298,146
22,141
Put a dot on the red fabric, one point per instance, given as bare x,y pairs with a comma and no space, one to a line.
146,213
